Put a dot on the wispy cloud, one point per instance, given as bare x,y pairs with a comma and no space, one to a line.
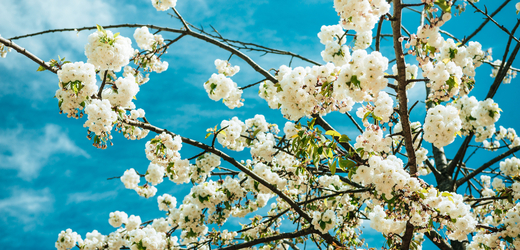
27,151
26,206
90,196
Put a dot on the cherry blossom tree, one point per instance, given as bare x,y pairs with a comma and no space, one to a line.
324,183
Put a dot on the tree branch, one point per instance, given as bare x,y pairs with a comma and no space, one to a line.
486,165
28,54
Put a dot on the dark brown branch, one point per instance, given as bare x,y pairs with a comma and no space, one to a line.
486,165
493,20
28,54
439,242
102,85
403,106
485,22
270,239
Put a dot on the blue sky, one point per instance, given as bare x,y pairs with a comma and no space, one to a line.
54,179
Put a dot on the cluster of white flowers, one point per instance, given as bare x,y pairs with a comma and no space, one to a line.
335,50
361,16
466,57
384,106
445,80
441,125
107,51
166,202
163,149
430,34
387,175
188,217
132,132
231,134
411,73
162,5
151,63
510,167
372,141
4,49
462,221
139,78
155,174
263,147
323,89
130,178
379,222
204,165
324,221
421,156
364,75
511,74
94,240
509,134
101,117
146,40
67,239
117,218
77,84
478,117
290,130
122,92
266,172
221,87
146,191
225,68
227,237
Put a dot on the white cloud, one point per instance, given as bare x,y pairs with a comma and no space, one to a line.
90,196
27,151
26,206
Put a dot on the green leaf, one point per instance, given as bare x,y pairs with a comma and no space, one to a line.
443,5
41,68
344,138
346,164
333,133
99,27
116,34
311,123
332,168
355,81
323,225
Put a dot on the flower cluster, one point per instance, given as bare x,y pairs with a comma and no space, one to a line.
203,167
441,125
107,51
3,50
478,117
122,92
101,117
221,87
510,75
361,16
373,142
225,68
445,80
411,73
324,221
379,222
164,148
231,134
77,84
323,89
146,40
162,5
335,51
